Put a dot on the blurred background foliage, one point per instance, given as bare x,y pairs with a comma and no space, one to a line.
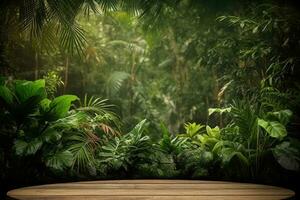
168,62
170,67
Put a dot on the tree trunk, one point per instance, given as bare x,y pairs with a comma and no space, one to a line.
83,82
66,74
36,70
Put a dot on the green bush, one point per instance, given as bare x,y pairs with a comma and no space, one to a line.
50,131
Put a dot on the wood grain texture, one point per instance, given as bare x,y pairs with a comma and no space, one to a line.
151,190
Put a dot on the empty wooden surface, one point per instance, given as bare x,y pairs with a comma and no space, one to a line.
151,190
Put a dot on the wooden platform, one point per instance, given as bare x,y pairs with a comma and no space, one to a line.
151,190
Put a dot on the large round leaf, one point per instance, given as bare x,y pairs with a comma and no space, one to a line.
60,160
287,155
273,128
26,89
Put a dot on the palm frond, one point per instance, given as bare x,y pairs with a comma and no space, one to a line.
115,81
90,5
82,146
131,6
108,5
36,15
246,119
94,105
72,37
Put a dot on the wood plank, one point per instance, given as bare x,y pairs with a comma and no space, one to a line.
155,192
153,186
153,198
150,189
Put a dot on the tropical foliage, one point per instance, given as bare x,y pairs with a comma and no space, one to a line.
192,89
49,131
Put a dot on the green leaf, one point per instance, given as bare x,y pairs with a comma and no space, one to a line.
45,105
228,154
255,29
283,116
51,135
192,129
60,106
20,147
73,121
166,136
93,105
6,95
60,160
214,132
72,38
139,128
26,98
27,148
218,110
2,80
211,138
287,155
207,156
82,146
219,145
115,81
228,150
273,128
242,24
27,89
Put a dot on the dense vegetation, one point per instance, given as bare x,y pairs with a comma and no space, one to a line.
160,89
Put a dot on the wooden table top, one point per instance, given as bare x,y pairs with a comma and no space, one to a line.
151,190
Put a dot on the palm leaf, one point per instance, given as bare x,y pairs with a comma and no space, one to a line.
115,81
108,5
94,105
82,146
72,37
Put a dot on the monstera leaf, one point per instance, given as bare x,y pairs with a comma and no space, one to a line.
274,128
60,160
283,116
27,148
51,135
287,155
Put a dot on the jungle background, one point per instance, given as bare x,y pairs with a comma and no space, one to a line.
186,66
